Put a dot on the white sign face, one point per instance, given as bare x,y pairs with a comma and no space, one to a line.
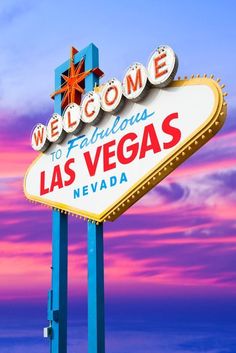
106,168
162,66
134,82
111,96
72,122
39,141
55,132
91,108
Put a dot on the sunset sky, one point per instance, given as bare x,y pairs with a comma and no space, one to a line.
177,245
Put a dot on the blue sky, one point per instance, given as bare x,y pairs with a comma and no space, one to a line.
36,37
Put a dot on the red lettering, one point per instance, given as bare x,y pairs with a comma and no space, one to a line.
107,154
128,148
149,133
92,165
43,190
54,130
86,108
115,97
171,130
131,85
158,66
70,124
132,148
38,137
56,178
70,172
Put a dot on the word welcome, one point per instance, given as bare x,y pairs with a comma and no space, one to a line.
136,83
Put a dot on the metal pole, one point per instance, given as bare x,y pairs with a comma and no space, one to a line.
57,299
59,282
96,325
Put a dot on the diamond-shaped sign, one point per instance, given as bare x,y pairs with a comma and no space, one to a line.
101,172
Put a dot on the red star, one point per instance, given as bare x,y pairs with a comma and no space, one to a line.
73,85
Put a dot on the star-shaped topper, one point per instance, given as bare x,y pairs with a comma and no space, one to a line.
72,86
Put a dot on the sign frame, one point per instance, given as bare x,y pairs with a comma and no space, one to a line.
182,152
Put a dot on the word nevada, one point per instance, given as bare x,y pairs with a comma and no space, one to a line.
110,97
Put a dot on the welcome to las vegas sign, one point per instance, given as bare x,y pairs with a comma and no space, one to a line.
104,154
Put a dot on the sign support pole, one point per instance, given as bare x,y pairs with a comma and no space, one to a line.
96,322
96,331
59,282
57,298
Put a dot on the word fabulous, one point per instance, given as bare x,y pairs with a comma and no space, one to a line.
138,79
113,155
